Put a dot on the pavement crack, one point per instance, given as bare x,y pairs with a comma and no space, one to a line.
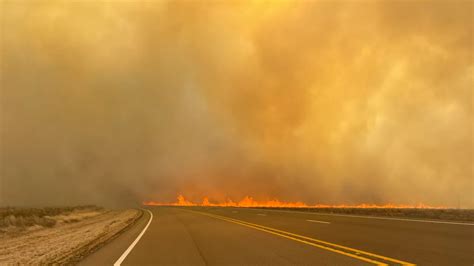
194,240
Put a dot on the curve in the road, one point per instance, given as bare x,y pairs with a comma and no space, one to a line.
129,249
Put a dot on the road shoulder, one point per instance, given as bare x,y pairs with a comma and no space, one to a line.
113,249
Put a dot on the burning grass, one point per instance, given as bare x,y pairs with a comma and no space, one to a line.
250,202
420,211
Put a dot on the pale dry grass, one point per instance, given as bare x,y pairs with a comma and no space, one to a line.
74,234
18,219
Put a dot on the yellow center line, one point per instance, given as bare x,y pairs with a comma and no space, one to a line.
334,245
303,239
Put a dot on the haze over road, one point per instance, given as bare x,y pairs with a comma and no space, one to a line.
325,102
245,236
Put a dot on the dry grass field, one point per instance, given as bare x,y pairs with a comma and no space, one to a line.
58,235
18,219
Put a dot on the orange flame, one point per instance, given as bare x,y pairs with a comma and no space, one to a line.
250,202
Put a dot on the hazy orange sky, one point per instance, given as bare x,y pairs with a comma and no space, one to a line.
334,102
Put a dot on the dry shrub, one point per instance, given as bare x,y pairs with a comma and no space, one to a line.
26,217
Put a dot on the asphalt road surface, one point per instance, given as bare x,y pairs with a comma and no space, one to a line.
241,236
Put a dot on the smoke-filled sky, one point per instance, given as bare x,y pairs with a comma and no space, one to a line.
335,102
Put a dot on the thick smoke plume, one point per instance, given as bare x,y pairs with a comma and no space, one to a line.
333,102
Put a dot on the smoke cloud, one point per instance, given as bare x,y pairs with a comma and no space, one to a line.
116,102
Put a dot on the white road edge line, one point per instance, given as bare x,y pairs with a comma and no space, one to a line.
377,218
321,222
125,254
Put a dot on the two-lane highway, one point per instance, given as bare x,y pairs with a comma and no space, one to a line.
241,236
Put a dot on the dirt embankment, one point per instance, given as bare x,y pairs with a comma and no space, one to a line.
58,235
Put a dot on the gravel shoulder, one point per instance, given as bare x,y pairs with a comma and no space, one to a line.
74,235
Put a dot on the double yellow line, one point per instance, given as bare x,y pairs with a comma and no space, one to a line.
347,251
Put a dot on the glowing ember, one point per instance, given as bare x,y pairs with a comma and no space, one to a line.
250,202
